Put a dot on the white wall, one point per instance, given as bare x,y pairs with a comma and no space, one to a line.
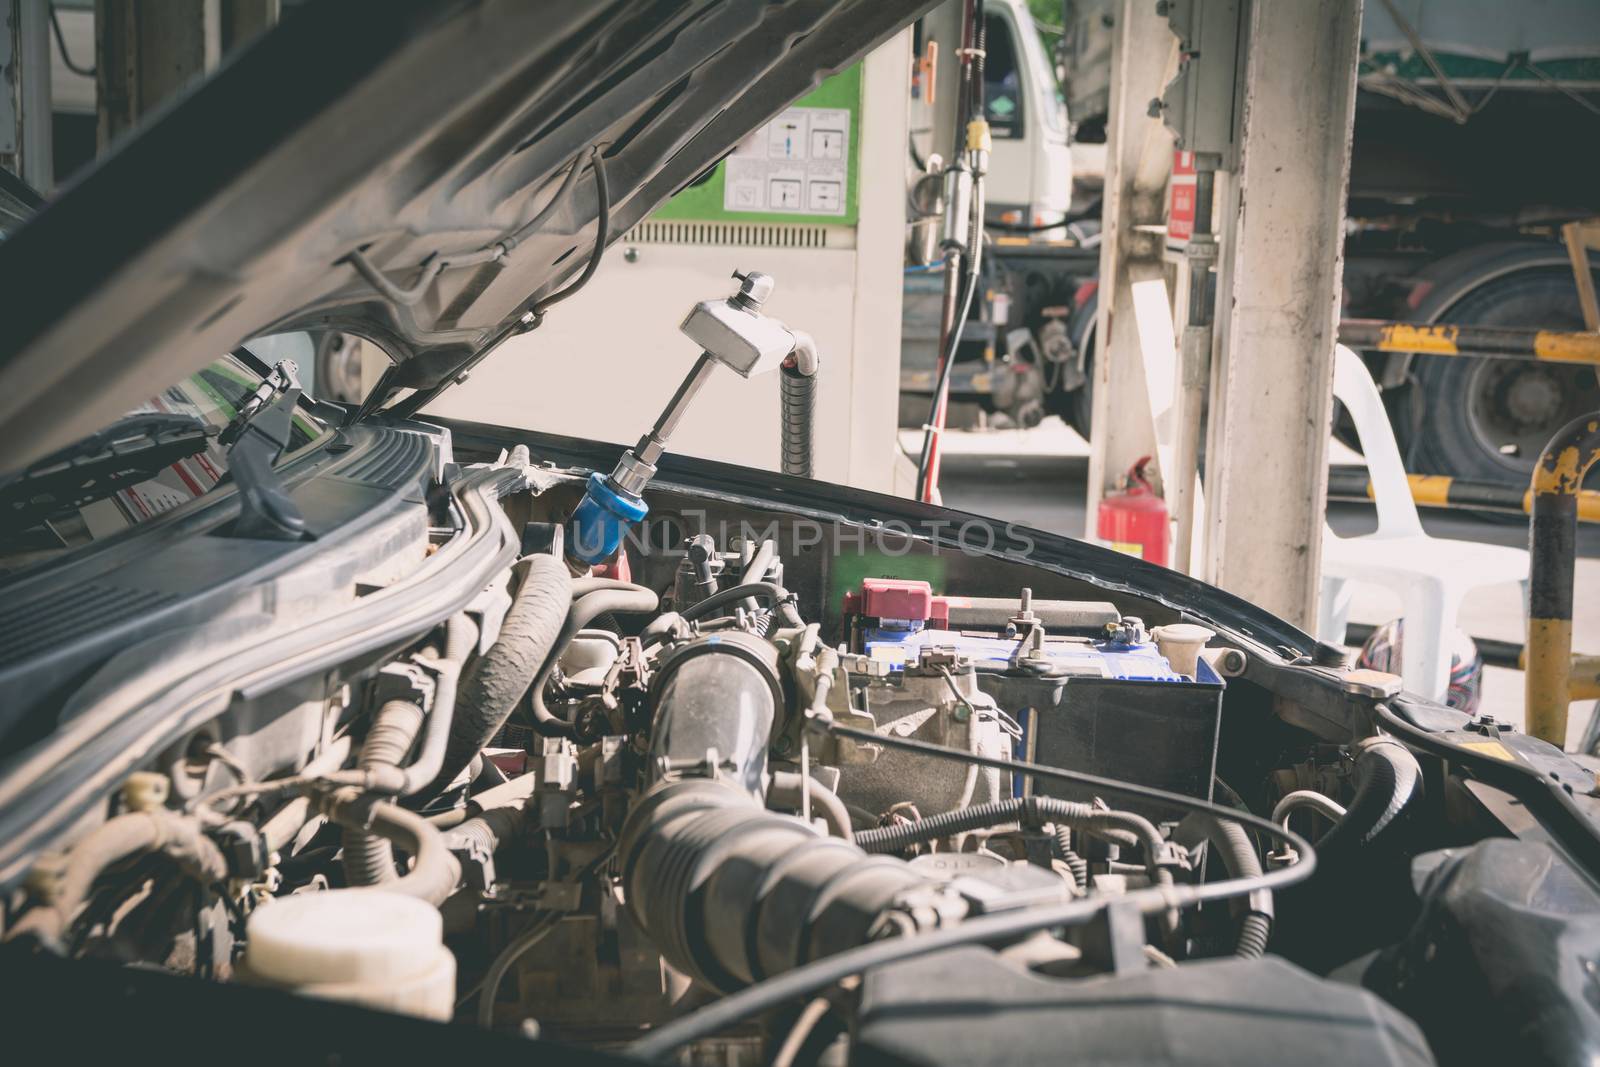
606,361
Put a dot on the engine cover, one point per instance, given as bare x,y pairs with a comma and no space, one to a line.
969,1006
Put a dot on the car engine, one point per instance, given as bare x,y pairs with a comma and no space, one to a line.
679,772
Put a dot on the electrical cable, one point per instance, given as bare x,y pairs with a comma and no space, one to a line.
61,44
536,932
1090,212
810,1016
771,591
942,387
1005,926
602,233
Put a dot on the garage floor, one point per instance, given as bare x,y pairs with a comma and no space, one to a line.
1037,477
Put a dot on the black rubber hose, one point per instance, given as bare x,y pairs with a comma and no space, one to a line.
777,594
487,831
612,596
1387,779
785,792
490,689
1238,854
1076,864
760,562
178,836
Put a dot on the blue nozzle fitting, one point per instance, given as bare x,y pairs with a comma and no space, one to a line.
601,518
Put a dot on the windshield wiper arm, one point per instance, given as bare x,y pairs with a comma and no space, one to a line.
255,439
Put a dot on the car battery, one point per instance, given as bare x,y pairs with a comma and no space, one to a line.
1086,702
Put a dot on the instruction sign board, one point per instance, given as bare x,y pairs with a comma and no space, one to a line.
801,166
796,164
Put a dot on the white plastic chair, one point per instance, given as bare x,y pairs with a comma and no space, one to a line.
1430,574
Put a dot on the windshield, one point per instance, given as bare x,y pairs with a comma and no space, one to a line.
1017,75
155,458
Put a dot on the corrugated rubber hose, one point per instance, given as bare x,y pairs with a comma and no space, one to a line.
798,390
1238,854
368,858
490,688
1075,863
1115,825
434,871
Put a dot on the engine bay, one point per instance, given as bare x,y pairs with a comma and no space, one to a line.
776,787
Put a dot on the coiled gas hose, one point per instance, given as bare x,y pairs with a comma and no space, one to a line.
798,390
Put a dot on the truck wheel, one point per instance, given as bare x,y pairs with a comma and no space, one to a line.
1488,419
1076,406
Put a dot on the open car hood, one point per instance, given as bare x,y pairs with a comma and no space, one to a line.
415,133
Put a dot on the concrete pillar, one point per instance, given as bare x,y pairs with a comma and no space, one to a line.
25,125
147,50
1266,465
875,456
1138,159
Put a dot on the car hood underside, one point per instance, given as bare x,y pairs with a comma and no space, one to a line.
449,147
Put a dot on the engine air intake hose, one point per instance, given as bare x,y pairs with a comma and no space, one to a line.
729,891
732,893
721,693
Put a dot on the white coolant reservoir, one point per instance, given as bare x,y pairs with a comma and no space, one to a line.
368,946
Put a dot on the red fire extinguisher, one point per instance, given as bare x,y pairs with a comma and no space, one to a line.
1134,520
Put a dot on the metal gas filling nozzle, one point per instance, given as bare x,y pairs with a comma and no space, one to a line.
732,332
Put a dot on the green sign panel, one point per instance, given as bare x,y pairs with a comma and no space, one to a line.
800,167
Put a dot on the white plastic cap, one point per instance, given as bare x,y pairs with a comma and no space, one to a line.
1181,643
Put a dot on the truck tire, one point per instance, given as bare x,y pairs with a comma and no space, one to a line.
1485,419
1076,406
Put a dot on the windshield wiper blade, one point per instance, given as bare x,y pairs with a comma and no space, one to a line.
255,439
131,450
